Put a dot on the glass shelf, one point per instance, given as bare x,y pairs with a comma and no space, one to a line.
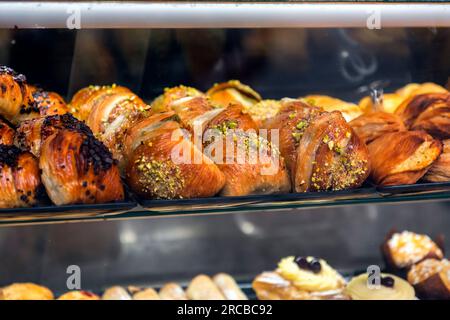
222,205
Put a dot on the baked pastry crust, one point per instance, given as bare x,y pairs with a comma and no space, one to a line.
402,157
289,282
401,250
431,279
232,92
77,168
79,295
428,112
6,133
25,291
20,182
202,287
349,110
370,126
440,169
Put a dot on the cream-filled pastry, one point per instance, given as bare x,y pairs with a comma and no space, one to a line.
300,278
390,288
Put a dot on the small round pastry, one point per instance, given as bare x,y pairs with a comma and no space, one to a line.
202,287
300,278
6,133
172,291
79,295
349,110
228,286
20,183
232,92
116,293
390,288
431,279
25,291
404,249
146,294
77,168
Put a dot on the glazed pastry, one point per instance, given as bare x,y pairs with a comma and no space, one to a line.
163,103
402,157
440,169
300,278
321,150
20,183
172,291
390,288
16,100
25,291
6,133
47,103
116,293
431,279
349,110
203,288
232,92
79,295
401,250
391,101
251,164
229,287
146,294
428,112
113,110
77,168
373,125
32,133
156,169
210,129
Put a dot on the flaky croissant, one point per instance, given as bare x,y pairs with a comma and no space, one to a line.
440,169
262,175
233,92
20,101
109,112
370,126
322,150
77,168
402,157
16,98
429,112
6,133
32,133
20,183
156,169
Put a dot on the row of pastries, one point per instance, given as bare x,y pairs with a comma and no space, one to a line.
415,269
79,152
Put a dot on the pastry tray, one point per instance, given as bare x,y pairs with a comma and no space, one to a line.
133,207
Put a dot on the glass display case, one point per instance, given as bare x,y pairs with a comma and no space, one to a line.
361,53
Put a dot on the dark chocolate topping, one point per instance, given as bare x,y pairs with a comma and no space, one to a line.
9,155
65,121
96,154
18,77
